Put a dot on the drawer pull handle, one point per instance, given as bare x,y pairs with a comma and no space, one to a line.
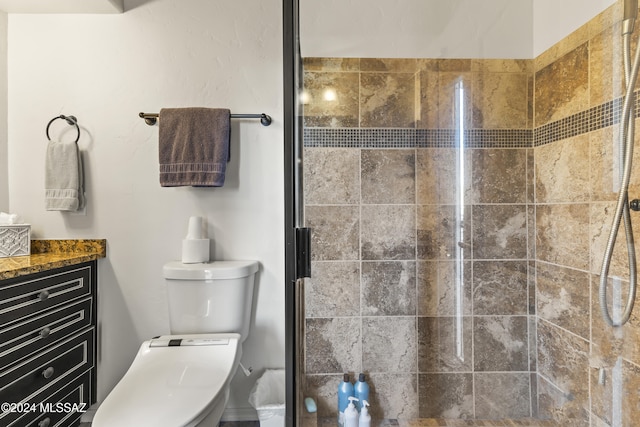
45,332
48,373
45,422
43,295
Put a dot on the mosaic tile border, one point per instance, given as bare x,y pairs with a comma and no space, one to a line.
415,138
598,117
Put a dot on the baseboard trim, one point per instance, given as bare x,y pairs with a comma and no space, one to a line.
239,414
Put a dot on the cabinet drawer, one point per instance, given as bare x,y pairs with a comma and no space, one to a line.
53,366
62,408
21,339
26,297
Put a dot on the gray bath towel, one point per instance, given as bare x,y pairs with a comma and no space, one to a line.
63,178
193,146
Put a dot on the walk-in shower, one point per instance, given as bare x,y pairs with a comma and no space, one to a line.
627,127
460,207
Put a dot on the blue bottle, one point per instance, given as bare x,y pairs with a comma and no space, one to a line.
361,390
345,391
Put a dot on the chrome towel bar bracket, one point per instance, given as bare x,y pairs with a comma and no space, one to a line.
152,118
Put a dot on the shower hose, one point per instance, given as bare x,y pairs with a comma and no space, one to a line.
622,208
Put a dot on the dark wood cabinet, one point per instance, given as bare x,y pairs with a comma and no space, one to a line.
48,347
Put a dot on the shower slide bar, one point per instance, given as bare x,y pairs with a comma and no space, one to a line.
152,118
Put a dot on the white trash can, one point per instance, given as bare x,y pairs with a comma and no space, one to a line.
268,397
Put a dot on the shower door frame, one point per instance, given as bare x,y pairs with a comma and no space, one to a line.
293,199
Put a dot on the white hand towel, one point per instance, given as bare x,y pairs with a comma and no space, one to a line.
63,177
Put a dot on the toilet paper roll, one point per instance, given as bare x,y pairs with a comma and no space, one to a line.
195,251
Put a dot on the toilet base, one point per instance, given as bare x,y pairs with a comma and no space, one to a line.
213,418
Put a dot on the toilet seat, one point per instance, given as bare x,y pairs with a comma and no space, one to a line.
174,380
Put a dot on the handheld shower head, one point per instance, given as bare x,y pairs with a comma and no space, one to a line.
630,15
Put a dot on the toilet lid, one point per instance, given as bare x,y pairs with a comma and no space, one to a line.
173,381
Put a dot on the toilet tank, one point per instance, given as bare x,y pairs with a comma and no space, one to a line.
213,297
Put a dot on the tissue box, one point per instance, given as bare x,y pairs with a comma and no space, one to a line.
15,240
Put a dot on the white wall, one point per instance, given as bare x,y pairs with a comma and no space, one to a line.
4,185
104,69
439,29
553,20
416,28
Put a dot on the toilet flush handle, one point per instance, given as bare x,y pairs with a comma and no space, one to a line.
45,423
247,372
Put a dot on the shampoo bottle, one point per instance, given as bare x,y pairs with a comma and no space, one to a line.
345,391
351,414
361,391
365,418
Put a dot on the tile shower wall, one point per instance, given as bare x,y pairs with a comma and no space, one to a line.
380,182
540,192
578,84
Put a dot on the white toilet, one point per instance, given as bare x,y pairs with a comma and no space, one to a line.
182,379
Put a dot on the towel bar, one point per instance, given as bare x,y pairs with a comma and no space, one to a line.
152,118
71,120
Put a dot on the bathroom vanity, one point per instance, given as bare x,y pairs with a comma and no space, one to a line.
48,333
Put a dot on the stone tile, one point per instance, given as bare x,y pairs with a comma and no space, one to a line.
562,87
502,395
532,287
333,345
498,175
502,65
562,234
600,228
531,232
437,344
500,287
603,180
393,396
389,288
388,232
499,232
333,290
331,176
331,64
533,345
562,299
436,232
606,164
563,408
631,389
322,388
609,343
388,176
562,171
437,178
500,100
387,100
606,75
332,99
500,343
563,359
399,65
446,395
533,382
389,344
439,286
335,232
438,98
530,182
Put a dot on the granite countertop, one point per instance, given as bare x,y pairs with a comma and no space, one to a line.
50,254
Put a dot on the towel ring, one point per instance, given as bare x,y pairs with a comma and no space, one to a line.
71,120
